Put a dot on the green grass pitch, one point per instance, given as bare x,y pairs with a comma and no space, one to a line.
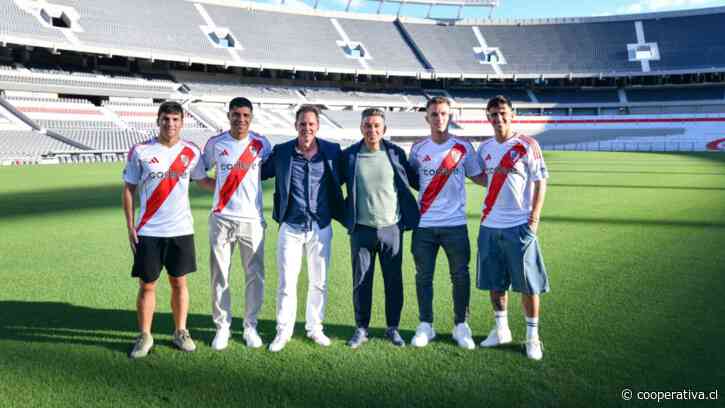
634,244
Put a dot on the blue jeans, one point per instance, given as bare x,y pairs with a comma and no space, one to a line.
454,240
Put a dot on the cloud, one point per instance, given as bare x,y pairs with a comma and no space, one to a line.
643,6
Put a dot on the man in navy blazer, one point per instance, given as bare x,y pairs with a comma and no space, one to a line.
307,197
379,206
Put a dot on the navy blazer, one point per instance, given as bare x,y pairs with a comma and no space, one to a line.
279,166
409,212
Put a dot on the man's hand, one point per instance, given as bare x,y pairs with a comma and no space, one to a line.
533,223
132,239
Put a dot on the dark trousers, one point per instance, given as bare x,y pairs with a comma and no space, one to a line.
455,243
365,244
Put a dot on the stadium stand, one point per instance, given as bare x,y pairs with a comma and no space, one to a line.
335,96
586,96
45,80
256,93
568,78
688,93
275,38
114,25
481,96
394,120
687,43
17,23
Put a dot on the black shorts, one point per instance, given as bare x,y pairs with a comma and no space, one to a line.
177,254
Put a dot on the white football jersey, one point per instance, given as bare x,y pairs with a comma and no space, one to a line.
162,175
442,170
238,191
509,194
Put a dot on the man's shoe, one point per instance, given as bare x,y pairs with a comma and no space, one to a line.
142,346
462,335
279,342
358,338
182,340
423,335
394,336
251,337
497,337
221,340
319,337
534,349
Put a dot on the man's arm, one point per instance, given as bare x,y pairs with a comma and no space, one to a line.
538,204
128,212
268,168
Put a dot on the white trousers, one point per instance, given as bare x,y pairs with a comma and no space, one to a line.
224,235
291,246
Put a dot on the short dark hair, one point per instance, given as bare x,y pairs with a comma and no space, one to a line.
497,101
372,112
240,102
437,100
170,107
307,108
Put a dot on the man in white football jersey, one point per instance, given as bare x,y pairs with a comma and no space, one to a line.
236,219
508,249
441,163
163,233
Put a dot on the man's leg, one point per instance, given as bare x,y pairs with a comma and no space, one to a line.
363,242
145,305
458,251
493,276
391,261
289,262
179,301
425,250
317,250
251,251
221,249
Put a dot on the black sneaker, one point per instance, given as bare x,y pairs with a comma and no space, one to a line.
358,338
394,336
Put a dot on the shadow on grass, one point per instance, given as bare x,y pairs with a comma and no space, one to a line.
56,322
55,200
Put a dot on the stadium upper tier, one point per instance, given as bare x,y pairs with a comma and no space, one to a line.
263,36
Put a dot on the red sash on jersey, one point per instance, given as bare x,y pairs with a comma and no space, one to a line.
236,175
162,191
509,159
449,163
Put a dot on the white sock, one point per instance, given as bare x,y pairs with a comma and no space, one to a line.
502,319
532,327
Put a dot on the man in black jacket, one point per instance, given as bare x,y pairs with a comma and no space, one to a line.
378,208
307,197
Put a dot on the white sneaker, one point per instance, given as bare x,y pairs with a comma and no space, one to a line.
534,349
423,335
278,343
462,335
318,336
252,338
497,337
221,340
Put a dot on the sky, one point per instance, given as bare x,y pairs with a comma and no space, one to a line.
519,9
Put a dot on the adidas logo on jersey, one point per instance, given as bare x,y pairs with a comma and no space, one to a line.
224,153
153,160
488,157
427,158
